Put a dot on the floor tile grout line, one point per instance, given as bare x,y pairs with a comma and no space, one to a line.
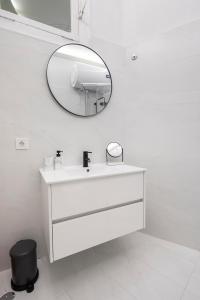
164,275
155,270
166,247
118,282
187,283
152,268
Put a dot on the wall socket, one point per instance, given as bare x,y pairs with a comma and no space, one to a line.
22,143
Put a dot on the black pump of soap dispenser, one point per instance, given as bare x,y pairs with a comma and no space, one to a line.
58,153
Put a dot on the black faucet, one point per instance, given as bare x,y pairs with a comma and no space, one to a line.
86,159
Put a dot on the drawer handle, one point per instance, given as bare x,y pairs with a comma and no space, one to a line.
96,211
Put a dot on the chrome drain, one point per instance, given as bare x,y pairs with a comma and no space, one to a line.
8,296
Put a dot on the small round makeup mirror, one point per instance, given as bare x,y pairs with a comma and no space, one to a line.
113,151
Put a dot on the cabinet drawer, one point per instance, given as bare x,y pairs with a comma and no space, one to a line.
82,233
74,198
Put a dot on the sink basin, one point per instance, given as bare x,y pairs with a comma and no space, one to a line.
72,173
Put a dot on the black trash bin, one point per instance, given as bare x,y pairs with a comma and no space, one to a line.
24,265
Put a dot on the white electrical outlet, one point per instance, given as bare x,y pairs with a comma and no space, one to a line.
22,144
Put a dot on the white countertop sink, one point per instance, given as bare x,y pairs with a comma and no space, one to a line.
71,173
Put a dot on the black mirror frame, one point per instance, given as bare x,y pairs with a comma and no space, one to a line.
57,102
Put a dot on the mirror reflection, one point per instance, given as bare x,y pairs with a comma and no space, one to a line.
79,80
114,149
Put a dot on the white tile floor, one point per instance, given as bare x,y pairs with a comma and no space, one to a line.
135,267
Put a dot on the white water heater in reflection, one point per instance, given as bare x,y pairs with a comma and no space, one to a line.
91,78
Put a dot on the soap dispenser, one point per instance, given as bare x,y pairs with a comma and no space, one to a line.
58,160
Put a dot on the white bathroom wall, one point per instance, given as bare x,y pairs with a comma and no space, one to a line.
166,112
27,109
154,112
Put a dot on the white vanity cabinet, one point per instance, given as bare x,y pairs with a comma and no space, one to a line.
83,209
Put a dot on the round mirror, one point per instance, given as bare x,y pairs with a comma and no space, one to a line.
114,149
79,80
